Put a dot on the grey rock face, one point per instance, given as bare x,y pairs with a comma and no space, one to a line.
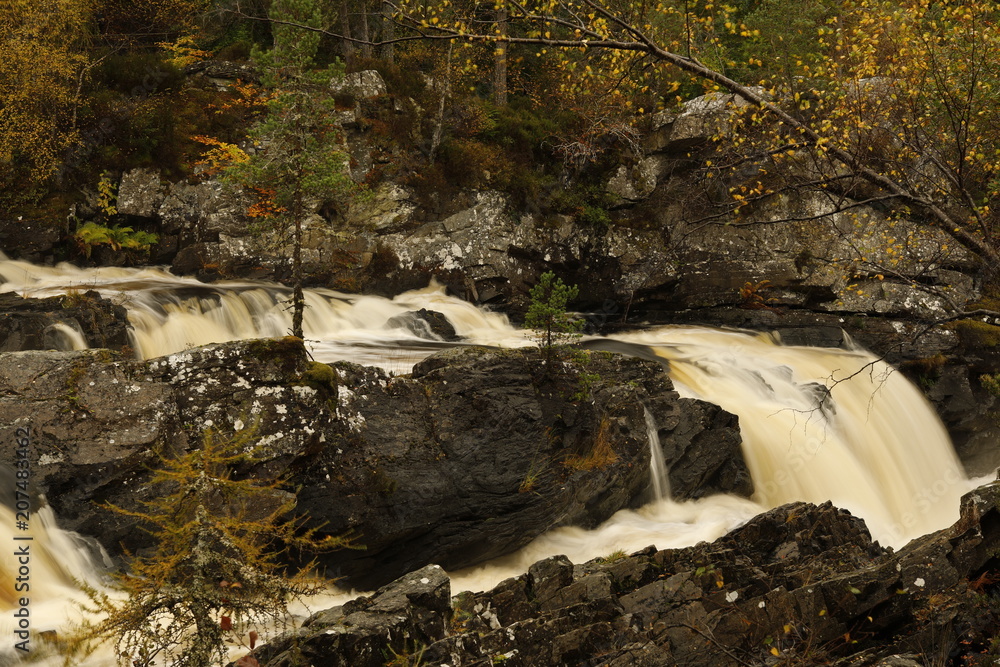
367,83
469,458
55,323
140,193
794,583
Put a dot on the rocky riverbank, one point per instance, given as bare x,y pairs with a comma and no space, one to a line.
800,585
470,457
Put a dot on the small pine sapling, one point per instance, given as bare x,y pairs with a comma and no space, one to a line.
547,312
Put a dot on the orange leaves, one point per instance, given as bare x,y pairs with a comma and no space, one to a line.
265,207
221,155
752,298
248,97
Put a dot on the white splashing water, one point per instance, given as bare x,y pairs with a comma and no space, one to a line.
824,424
39,571
818,424
169,313
658,474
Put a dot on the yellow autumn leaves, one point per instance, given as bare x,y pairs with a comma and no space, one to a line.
41,69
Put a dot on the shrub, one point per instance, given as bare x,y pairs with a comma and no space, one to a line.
215,570
93,234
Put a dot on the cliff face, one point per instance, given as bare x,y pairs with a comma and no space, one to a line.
660,246
643,231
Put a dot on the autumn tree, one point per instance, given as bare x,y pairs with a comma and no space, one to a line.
215,572
43,65
871,102
891,106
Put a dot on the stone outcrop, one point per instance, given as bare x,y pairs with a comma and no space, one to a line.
61,323
800,584
661,257
33,240
470,457
367,83
411,612
428,324
482,450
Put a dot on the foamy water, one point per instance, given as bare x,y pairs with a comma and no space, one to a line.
818,424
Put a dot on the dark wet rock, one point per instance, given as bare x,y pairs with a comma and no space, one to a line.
469,458
969,410
398,619
801,584
57,322
32,240
702,449
482,450
429,324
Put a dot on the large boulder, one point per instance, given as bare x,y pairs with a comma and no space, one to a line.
470,457
140,193
480,451
366,83
397,619
100,422
30,239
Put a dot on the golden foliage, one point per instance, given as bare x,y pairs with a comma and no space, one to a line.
214,576
185,51
220,156
602,453
42,67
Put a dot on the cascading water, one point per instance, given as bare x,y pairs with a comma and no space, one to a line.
169,314
823,424
658,478
817,424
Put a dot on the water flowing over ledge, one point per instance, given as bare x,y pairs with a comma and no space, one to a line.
818,424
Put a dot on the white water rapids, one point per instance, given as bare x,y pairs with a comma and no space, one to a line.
817,424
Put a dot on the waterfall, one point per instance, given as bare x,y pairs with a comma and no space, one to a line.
823,424
818,424
659,479
169,314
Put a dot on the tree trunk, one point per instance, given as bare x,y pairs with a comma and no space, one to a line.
388,32
298,301
347,46
500,59
445,92
366,47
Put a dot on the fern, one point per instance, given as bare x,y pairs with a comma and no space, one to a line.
90,235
